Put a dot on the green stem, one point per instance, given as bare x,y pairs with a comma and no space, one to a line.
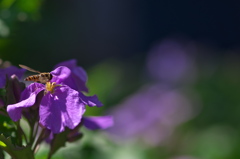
36,131
49,155
24,135
21,133
39,140
33,132
31,137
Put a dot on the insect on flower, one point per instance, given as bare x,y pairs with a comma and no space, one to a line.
42,77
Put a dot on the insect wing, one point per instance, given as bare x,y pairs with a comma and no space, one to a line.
28,68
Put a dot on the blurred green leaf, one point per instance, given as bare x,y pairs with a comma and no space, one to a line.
6,3
104,77
104,80
1,154
2,91
30,7
14,151
216,142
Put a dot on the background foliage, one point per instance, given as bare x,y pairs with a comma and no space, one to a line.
115,41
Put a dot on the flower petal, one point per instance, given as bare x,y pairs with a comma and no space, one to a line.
72,65
9,71
90,100
69,63
29,95
63,108
15,70
60,74
100,122
78,78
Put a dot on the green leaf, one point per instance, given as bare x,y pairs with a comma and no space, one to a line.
1,153
2,91
6,125
15,151
58,141
6,3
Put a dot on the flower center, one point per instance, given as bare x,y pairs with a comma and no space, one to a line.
50,87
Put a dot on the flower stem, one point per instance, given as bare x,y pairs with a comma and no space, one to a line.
39,140
31,137
21,131
34,130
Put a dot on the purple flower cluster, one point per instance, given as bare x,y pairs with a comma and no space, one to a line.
171,62
61,102
151,114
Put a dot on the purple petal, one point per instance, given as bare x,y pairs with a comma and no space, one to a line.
63,108
90,100
101,122
10,71
80,73
30,89
15,70
29,94
72,65
78,78
60,74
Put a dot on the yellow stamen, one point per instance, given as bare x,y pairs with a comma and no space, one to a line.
50,87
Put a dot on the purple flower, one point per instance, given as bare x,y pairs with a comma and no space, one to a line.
60,106
78,77
170,61
151,114
9,71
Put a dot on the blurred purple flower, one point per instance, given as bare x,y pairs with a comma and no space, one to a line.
60,107
151,114
170,61
78,77
97,122
9,71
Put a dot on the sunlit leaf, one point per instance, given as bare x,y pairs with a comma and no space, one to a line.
15,152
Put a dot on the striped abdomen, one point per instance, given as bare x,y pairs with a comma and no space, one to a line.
34,78
42,77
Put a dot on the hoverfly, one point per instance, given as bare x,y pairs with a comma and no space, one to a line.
42,77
